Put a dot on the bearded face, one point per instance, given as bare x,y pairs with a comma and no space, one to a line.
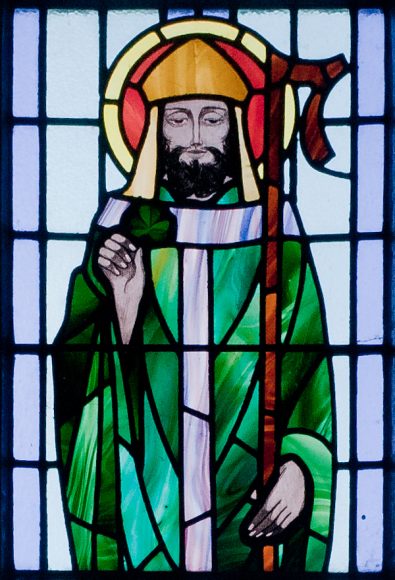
196,150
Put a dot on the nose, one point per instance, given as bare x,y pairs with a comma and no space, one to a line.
196,134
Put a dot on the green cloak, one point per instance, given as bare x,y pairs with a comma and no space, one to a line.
118,411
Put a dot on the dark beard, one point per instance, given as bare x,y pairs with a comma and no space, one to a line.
199,179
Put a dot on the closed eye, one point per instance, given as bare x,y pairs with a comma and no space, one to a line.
213,118
177,119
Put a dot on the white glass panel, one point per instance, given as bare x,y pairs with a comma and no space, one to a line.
339,560
196,381
323,33
26,518
370,292
72,63
338,103
332,260
26,407
370,395
196,467
195,297
72,178
370,520
273,25
123,25
58,544
303,95
25,178
323,200
198,534
25,63
50,443
114,178
26,291
341,371
340,140
62,258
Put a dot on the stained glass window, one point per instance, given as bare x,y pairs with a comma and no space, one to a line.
197,271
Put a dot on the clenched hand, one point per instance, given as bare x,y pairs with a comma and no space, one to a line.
122,264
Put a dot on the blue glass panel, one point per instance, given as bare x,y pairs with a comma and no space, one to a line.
371,62
72,63
370,520
391,476
25,178
341,371
370,292
286,172
26,518
391,519
370,177
216,13
179,13
25,63
370,395
50,437
26,291
26,407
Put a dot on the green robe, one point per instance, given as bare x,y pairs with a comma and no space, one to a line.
117,412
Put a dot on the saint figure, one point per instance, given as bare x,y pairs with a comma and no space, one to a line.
193,388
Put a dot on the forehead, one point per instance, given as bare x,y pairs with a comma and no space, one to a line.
196,105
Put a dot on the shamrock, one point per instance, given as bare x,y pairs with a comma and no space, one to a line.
150,223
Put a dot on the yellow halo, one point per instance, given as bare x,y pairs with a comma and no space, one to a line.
135,53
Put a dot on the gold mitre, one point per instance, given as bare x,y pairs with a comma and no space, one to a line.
194,69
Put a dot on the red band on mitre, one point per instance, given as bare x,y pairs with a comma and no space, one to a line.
133,116
148,62
250,68
133,108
